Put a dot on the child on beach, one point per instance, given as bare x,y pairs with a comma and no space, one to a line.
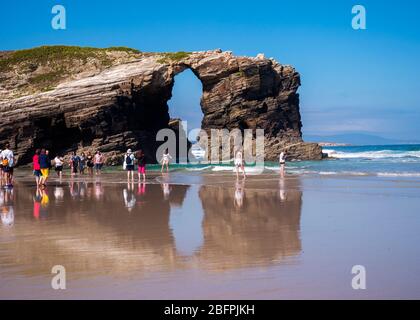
166,157
239,164
141,165
36,167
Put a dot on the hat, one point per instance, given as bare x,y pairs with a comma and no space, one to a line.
129,151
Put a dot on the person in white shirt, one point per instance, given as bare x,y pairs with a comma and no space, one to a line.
239,164
282,162
8,160
58,163
166,157
128,164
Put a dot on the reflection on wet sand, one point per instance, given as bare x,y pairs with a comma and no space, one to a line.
6,205
95,228
245,227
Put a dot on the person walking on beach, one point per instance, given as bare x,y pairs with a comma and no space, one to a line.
7,162
44,164
36,167
166,157
128,164
82,163
99,161
89,163
141,165
58,163
239,164
74,163
282,162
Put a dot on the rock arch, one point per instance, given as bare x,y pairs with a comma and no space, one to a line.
124,106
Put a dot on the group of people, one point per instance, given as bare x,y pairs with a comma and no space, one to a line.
79,163
239,163
42,164
139,158
130,161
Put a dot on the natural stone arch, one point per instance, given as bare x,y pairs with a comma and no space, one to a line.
124,106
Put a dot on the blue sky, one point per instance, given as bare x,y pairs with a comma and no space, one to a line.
352,81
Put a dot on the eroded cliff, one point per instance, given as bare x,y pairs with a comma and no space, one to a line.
117,99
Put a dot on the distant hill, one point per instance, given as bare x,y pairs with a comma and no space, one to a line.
356,139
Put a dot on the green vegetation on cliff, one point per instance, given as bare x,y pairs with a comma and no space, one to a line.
39,69
43,68
45,54
173,56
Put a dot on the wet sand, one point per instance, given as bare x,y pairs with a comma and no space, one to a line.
208,236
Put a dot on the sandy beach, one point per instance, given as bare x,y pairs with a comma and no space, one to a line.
209,236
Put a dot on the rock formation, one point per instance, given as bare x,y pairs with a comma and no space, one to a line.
125,105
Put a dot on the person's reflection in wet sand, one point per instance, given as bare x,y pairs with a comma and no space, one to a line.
58,193
37,203
239,193
129,197
282,189
74,189
141,193
6,207
99,190
82,189
166,187
141,188
45,201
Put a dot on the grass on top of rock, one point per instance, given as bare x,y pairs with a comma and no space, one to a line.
42,68
44,54
173,56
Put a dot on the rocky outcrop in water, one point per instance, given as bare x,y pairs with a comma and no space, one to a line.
125,105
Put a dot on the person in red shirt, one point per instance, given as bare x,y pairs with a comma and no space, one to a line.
37,168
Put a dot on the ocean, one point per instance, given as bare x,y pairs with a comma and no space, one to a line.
376,160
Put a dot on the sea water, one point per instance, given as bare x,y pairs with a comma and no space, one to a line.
377,160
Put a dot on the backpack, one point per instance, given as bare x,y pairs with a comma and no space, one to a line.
128,159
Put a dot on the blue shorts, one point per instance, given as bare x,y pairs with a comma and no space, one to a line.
37,173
